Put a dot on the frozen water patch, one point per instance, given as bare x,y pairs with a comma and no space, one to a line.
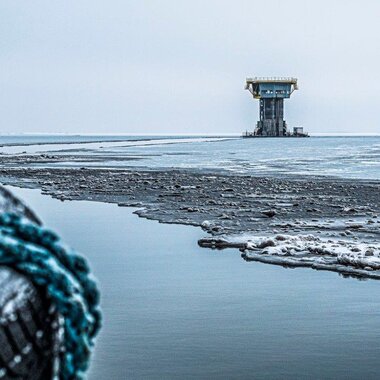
347,257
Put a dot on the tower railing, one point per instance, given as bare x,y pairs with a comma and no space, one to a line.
273,79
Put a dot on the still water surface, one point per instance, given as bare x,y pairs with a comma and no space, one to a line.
175,311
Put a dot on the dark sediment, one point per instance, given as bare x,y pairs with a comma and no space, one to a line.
222,204
229,203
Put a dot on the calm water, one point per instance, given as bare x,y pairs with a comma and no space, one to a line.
349,157
175,311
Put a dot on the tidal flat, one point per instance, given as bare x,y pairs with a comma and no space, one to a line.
173,308
322,223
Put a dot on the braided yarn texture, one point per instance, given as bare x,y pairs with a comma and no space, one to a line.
40,255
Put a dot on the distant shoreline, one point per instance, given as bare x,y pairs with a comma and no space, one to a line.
99,138
128,138
67,142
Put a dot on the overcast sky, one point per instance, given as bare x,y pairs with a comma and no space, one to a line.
176,66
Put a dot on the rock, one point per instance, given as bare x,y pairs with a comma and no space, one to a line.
269,213
349,209
266,243
206,224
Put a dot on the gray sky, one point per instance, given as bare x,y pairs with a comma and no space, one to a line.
173,66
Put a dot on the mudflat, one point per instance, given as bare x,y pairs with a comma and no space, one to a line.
324,223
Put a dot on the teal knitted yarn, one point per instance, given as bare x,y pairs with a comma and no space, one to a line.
40,255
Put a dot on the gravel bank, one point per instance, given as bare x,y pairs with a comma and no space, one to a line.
224,205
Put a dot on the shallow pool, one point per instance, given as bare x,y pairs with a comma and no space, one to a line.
173,310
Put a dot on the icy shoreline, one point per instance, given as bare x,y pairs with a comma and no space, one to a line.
346,257
324,223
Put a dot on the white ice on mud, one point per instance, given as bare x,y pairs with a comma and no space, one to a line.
361,259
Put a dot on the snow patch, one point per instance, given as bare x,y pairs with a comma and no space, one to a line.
355,258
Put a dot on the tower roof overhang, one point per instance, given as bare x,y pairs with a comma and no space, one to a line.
274,80
271,86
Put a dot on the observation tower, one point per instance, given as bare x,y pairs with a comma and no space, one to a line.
271,92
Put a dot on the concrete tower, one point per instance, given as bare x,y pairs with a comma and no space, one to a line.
271,93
